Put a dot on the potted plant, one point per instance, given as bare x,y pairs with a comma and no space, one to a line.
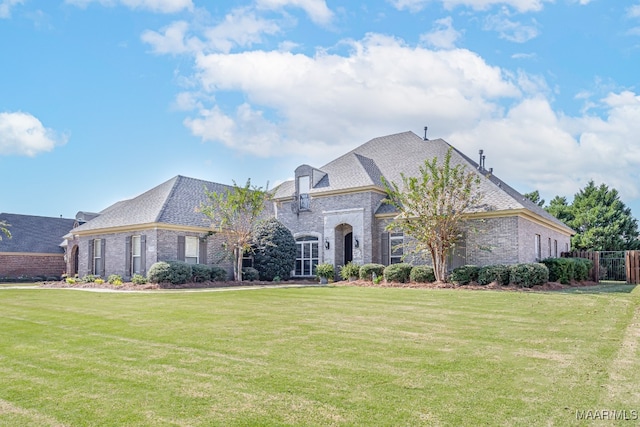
325,272
350,271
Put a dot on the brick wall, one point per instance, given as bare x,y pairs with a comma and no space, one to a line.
31,265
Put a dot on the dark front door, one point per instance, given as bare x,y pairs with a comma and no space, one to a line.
348,248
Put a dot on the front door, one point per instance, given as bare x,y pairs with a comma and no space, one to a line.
348,248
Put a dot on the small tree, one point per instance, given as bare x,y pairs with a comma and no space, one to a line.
4,229
433,206
234,213
275,249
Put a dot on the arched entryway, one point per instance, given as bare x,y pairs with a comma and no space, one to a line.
344,244
73,264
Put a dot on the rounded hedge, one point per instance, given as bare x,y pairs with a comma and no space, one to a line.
498,273
367,271
422,274
528,275
200,273
465,274
174,272
399,272
274,250
218,274
250,274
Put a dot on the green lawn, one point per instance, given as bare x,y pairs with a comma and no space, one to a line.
316,356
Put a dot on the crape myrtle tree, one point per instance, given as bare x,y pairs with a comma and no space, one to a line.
233,214
274,250
432,207
4,229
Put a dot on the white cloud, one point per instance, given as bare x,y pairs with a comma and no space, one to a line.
23,134
6,6
317,10
382,82
519,5
443,35
158,6
634,11
510,30
172,39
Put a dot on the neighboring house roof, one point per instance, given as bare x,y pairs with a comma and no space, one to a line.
392,156
34,234
173,202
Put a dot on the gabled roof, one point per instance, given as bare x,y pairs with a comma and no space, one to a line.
173,202
404,153
34,234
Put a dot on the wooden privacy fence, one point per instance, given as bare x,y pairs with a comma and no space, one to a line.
611,265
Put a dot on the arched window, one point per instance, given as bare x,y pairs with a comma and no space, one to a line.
307,256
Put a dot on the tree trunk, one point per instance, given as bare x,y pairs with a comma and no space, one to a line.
238,267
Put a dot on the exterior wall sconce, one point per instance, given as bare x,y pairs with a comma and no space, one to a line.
326,244
357,243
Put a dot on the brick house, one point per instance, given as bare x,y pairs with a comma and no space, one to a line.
34,250
336,212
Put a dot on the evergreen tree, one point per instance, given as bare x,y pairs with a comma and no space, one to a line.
274,253
534,196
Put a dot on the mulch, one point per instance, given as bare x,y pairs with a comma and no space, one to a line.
128,286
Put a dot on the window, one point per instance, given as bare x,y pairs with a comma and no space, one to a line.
396,250
549,247
191,249
98,259
307,256
555,248
538,248
303,190
136,255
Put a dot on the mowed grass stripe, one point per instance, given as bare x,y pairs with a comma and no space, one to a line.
315,356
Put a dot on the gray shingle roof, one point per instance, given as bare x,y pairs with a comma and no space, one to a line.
173,202
404,153
35,234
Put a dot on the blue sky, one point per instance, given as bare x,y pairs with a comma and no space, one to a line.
101,100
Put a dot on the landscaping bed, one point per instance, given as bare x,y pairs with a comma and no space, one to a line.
129,286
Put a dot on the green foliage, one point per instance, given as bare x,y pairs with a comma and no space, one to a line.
368,270
465,274
600,218
89,278
399,272
218,274
70,280
433,207
494,273
200,273
349,270
565,270
234,213
377,280
138,279
581,268
174,272
250,274
325,271
534,196
115,279
274,253
4,229
99,281
422,274
529,275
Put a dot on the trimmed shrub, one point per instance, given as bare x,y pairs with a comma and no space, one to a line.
560,269
89,278
367,271
528,275
494,273
465,274
422,274
274,250
400,272
200,273
218,274
250,274
181,272
159,272
174,272
349,270
581,268
139,279
115,279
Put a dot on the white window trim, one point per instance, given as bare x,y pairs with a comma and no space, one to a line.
196,244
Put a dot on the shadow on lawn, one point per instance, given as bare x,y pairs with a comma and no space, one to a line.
602,288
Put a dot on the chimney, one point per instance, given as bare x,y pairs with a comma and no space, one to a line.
480,167
425,133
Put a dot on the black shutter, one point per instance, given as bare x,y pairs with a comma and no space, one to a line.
104,257
202,255
127,256
385,248
180,248
143,254
90,260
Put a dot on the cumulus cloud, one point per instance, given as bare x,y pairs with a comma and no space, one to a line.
335,97
510,30
6,6
317,10
443,35
158,6
519,5
23,134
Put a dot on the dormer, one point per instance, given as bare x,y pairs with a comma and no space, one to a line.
306,178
